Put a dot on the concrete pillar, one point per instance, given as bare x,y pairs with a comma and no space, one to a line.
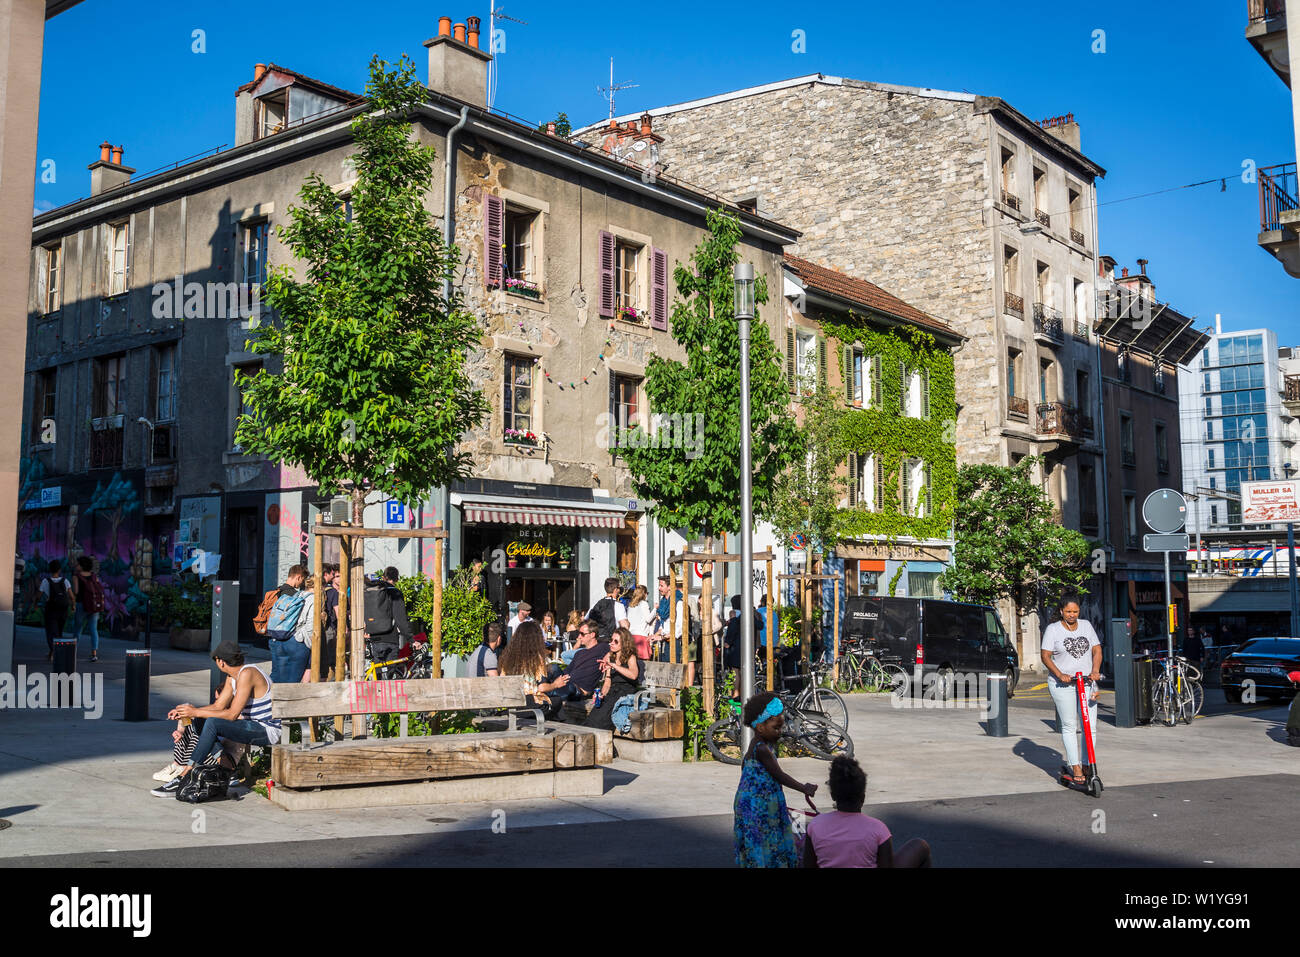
22,34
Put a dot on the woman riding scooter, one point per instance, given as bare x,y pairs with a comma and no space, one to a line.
1070,647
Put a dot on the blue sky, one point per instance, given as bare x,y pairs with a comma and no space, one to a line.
1177,97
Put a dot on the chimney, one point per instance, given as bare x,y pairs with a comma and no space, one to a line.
645,124
472,24
108,172
1124,274
550,128
258,70
1064,128
456,68
1142,264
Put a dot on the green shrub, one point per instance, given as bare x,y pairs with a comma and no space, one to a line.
465,611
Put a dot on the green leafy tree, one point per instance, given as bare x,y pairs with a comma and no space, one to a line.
562,125
698,488
373,395
806,496
1007,545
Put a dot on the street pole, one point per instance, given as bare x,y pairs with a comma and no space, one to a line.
1295,590
744,280
1169,600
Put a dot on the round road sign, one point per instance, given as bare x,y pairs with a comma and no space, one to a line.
1165,510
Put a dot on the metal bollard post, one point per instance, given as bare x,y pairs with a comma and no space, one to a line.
148,622
996,705
65,663
136,706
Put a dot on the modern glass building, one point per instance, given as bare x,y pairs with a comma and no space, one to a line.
1235,427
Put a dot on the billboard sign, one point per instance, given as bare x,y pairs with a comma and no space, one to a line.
1264,502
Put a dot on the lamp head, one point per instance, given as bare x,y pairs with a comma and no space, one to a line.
743,275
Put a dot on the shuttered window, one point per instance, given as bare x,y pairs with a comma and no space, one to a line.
790,349
875,382
605,264
822,377
494,225
658,289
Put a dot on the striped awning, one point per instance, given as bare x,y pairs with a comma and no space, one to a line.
541,515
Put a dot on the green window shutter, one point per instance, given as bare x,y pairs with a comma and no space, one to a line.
875,382
853,480
929,499
789,359
905,477
848,374
925,393
879,490
822,377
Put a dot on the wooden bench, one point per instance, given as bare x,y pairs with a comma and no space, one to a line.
522,760
656,733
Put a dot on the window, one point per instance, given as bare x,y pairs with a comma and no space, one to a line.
1013,372
864,489
1087,496
1127,448
806,358
517,403
519,262
1074,197
623,404
1082,314
1214,515
923,584
1043,280
241,404
1122,367
1082,391
1162,448
272,111
1209,455
1008,162
626,289
915,487
1046,381
44,393
165,383
1040,196
1130,520
118,236
50,298
253,241
857,377
916,393
1014,302
110,387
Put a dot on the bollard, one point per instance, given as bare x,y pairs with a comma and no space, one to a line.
136,706
65,663
995,696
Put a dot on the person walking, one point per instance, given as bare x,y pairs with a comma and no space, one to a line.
89,592
1070,647
762,823
55,593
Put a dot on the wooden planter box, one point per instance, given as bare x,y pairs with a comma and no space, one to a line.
190,639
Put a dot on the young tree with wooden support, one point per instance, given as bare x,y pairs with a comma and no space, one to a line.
807,589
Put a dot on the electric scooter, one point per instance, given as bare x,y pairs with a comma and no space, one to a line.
1092,782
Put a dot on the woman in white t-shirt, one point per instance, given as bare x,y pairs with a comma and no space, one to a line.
1070,647
640,613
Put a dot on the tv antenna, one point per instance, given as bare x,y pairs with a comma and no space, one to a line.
496,13
609,92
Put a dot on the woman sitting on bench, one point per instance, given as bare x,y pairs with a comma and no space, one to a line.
526,655
622,670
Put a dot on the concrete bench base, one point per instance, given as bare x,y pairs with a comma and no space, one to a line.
588,782
649,752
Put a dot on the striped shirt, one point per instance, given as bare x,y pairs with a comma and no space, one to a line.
259,710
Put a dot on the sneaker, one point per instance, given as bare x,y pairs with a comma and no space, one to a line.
169,789
167,773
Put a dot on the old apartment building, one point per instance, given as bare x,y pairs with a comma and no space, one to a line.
959,205
143,297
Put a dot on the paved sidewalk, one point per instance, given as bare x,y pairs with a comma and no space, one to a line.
72,786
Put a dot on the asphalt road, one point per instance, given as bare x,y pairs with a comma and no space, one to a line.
1228,822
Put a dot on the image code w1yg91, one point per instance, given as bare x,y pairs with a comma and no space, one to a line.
471,440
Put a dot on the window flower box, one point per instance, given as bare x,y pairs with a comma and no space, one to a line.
522,287
631,314
519,437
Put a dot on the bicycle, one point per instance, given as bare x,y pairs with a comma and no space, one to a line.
1174,694
806,729
860,668
815,695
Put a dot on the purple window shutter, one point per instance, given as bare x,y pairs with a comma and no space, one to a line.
606,264
659,289
494,215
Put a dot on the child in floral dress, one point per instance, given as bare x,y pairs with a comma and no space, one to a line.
762,829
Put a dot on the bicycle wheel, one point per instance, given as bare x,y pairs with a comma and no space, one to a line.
820,737
897,680
1163,706
826,702
1186,702
723,740
1198,695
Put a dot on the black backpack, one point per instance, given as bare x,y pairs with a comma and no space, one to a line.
379,610
58,592
605,616
206,782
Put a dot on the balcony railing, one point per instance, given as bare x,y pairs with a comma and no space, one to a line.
1128,458
1011,199
106,448
1081,329
1277,195
1261,10
1076,236
1015,305
1048,323
1291,388
1057,418
1043,218
1018,407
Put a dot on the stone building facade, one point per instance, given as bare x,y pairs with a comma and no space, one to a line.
957,204
139,312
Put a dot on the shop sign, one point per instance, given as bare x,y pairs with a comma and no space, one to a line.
529,550
1263,502
49,498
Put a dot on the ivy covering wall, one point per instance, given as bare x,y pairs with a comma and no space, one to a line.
883,430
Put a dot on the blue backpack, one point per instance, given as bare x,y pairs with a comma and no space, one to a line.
284,616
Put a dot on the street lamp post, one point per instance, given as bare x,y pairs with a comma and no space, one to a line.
1290,551
743,274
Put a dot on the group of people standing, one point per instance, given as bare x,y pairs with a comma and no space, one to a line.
83,592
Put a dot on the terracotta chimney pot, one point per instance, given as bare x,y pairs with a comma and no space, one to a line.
472,23
258,70
117,156
1124,274
645,124
444,26
458,31
550,128
104,147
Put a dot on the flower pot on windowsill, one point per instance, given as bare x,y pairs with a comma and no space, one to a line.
632,316
562,563
512,563
527,440
543,564
529,564
525,289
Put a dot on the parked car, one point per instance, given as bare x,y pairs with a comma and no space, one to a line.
1266,662
946,637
